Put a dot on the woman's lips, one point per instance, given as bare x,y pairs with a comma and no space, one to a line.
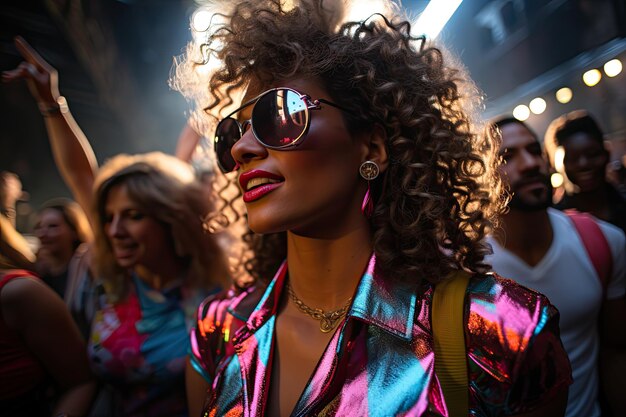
260,191
262,182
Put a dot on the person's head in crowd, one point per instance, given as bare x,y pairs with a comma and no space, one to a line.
372,92
524,169
150,210
61,227
584,154
10,193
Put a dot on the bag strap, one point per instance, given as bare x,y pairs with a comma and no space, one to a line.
448,324
595,243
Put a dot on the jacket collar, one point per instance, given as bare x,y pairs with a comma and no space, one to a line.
387,304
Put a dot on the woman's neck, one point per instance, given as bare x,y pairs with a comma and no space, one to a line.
159,278
595,202
325,272
57,264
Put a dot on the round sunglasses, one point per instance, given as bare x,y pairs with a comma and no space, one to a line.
280,119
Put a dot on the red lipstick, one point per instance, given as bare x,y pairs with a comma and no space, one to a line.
267,183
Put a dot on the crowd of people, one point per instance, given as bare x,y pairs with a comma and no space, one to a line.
400,256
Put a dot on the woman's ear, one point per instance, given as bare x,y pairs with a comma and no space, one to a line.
375,147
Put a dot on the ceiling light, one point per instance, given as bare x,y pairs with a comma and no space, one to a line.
613,67
592,77
521,112
556,179
537,105
564,95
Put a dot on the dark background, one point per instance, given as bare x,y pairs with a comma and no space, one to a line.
114,59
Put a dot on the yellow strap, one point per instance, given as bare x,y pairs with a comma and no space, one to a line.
449,339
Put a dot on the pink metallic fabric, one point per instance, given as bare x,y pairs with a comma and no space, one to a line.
380,361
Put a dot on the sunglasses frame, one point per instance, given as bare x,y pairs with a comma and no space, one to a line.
310,104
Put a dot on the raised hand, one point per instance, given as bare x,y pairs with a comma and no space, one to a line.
41,77
72,152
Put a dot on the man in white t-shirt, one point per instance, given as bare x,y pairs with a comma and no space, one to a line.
540,248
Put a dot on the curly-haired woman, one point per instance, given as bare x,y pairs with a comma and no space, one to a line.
366,184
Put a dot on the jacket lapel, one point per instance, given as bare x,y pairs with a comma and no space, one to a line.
254,345
375,341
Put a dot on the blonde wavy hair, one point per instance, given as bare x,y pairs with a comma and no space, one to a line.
166,189
441,193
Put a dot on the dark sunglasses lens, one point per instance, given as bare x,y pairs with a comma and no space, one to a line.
226,135
279,118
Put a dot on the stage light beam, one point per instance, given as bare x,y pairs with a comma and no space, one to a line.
435,16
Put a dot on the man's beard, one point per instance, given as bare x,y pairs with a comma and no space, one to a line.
521,203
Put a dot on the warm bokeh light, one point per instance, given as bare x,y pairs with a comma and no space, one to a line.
613,67
521,112
537,105
559,154
201,20
556,179
564,95
592,77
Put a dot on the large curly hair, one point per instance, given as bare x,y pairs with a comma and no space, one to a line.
441,192
166,189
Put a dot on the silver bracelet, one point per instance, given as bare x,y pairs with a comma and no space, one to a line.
59,107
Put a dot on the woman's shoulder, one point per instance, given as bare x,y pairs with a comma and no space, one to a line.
508,320
218,318
235,301
494,289
513,335
505,317
25,297
498,305
19,283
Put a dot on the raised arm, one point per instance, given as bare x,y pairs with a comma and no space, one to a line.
14,249
186,143
72,152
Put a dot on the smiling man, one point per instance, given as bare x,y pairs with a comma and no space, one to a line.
541,248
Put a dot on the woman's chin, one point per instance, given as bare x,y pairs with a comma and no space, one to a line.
126,262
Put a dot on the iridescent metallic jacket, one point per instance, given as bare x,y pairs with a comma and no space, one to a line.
380,362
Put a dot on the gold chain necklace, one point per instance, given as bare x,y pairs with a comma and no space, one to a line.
328,321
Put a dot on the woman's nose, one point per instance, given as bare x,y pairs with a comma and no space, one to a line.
248,148
115,227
